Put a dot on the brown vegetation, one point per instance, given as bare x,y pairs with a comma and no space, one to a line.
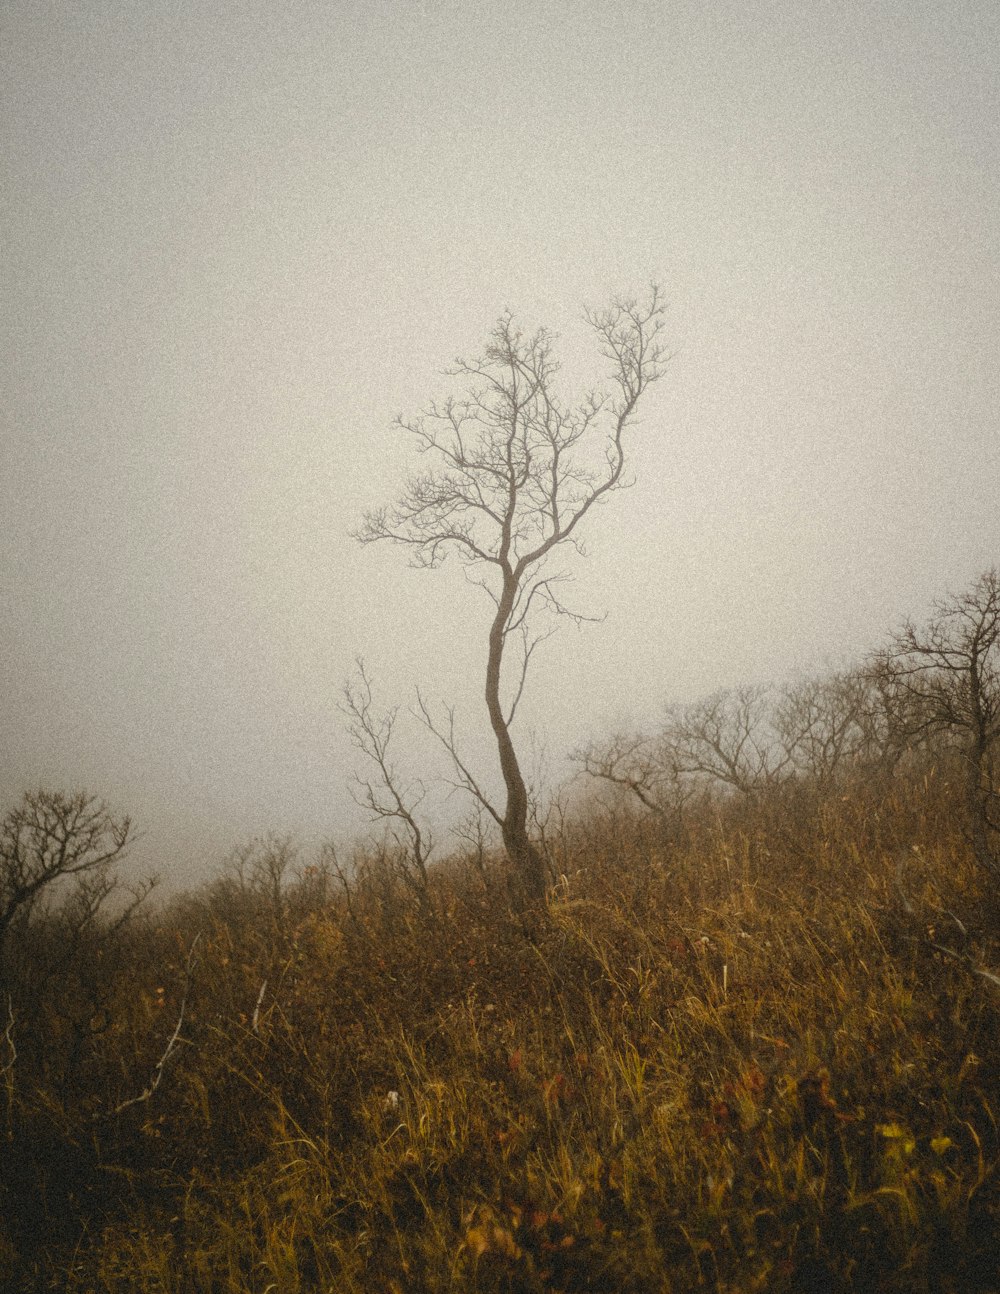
727,1065
751,1042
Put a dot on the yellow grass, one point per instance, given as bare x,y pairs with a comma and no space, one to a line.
737,1064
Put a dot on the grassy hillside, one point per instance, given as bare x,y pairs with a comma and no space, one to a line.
763,1055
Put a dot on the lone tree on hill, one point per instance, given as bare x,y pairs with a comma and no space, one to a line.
513,471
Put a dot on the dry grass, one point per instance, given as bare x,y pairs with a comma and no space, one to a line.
736,1064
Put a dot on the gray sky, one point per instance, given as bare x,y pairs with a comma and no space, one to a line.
239,238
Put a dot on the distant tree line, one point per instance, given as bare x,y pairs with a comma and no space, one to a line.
932,692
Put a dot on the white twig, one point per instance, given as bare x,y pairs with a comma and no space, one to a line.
158,1070
8,1037
961,957
255,1021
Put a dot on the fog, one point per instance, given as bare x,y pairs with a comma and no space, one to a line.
240,238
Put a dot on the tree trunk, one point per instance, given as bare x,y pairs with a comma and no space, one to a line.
525,860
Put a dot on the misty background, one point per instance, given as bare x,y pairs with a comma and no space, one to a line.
238,239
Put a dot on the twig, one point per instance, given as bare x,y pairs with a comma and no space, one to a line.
8,1037
158,1070
256,1011
961,957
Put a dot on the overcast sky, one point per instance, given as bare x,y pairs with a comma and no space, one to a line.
239,238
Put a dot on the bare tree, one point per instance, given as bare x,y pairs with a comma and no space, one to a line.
67,922
644,767
50,836
727,738
386,797
257,874
947,676
811,733
513,472
838,725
